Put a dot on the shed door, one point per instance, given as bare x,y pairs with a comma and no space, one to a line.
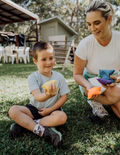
48,32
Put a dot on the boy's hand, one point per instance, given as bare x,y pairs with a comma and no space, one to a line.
44,111
53,90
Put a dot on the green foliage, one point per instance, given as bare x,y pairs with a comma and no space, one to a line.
117,1
114,2
80,136
21,2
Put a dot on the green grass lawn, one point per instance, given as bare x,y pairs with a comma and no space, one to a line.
80,135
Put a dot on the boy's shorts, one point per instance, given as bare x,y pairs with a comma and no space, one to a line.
34,111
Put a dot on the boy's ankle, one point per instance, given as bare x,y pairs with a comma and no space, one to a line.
39,130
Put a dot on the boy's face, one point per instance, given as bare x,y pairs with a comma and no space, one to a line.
45,61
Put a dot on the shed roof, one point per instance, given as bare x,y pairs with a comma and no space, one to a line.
12,13
60,21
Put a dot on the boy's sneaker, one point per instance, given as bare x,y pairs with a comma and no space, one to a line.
53,136
16,130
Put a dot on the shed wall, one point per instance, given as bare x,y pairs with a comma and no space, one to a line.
49,29
63,31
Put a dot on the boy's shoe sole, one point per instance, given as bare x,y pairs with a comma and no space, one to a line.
53,136
15,130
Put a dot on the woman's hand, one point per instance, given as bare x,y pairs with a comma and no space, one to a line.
53,90
94,97
44,111
110,85
116,78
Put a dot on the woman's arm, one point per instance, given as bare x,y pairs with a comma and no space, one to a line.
79,66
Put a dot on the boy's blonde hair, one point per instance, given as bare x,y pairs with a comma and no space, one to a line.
39,46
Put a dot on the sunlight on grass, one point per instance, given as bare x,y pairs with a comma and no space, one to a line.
70,80
1,64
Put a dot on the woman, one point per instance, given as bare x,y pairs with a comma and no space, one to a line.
100,50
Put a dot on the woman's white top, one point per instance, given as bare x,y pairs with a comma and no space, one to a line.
98,56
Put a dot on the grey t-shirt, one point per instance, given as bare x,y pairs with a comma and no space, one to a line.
36,80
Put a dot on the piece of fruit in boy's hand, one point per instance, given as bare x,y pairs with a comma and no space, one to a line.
94,91
46,85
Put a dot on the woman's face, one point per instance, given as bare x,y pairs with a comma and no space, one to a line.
98,25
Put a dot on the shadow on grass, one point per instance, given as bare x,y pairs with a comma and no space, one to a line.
79,134
27,143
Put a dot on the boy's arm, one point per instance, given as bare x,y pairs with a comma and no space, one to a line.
59,103
41,97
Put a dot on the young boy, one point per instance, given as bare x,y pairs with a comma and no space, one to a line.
44,110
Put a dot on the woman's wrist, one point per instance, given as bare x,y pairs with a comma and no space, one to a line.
118,79
89,86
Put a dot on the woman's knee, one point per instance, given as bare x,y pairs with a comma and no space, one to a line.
115,98
113,94
116,109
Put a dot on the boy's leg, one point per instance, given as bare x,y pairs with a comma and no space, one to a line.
22,116
56,118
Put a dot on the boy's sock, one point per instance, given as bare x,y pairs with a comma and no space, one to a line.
36,120
50,134
39,130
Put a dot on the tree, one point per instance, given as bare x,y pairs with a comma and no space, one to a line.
46,9
65,9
